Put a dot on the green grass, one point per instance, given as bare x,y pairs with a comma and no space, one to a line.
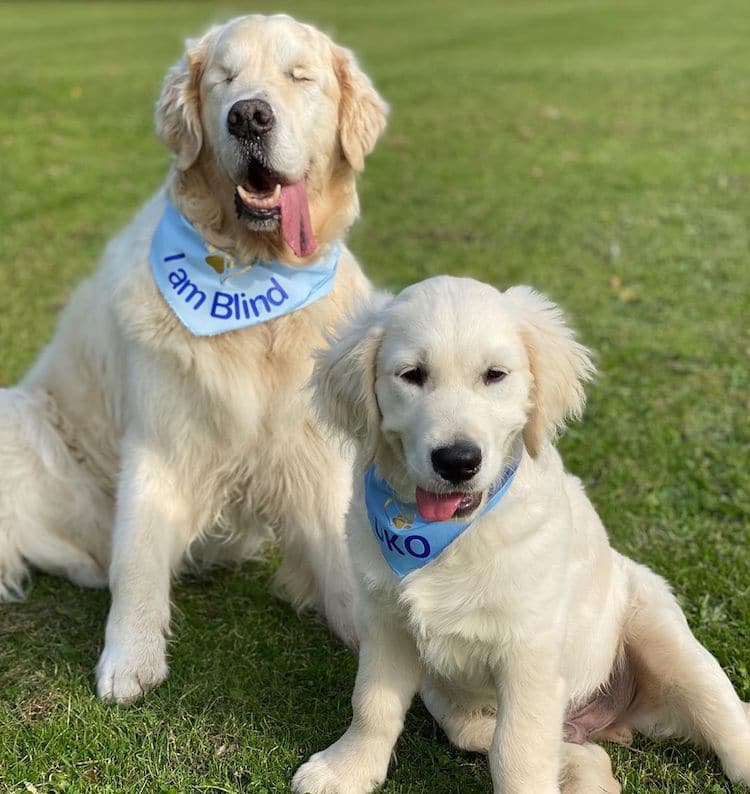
598,151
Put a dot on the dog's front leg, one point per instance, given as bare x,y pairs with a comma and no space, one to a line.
525,752
151,532
387,679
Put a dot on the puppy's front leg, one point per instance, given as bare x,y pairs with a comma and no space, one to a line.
525,752
151,532
387,679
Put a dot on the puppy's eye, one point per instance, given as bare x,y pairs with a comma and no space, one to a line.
229,78
494,375
414,375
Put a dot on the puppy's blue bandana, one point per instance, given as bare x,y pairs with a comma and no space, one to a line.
211,293
406,540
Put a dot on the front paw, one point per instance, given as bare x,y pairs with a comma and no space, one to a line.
125,675
335,772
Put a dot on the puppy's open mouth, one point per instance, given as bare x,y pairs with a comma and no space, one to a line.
445,506
265,197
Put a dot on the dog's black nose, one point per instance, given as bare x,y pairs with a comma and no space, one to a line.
458,462
250,118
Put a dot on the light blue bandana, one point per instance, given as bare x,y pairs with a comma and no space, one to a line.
211,293
406,540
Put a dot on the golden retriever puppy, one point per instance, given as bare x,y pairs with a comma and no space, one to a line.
483,573
168,420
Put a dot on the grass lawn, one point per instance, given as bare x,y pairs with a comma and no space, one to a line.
597,150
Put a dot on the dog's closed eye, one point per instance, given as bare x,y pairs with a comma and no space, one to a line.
300,74
493,375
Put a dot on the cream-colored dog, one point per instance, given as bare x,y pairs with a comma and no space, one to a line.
530,637
133,445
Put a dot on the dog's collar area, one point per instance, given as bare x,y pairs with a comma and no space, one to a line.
406,540
212,293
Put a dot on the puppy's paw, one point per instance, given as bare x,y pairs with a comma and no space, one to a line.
738,771
587,769
124,676
335,772
619,734
734,753
591,787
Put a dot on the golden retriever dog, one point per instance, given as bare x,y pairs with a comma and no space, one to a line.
135,445
483,573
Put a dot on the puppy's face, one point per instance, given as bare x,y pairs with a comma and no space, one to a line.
280,114
453,387
447,380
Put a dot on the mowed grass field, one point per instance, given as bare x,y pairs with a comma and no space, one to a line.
596,150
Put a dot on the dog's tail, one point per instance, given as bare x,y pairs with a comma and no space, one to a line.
40,495
18,417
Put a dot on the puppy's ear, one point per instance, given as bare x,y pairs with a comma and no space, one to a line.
178,112
362,111
559,365
345,372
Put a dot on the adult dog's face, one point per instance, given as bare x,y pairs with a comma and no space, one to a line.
269,110
277,113
446,379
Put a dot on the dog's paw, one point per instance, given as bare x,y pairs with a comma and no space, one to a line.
587,769
125,676
619,734
335,772
734,752
591,787
738,771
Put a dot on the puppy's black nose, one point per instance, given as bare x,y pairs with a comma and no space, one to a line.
458,462
250,118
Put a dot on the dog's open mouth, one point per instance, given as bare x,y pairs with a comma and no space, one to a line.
260,194
445,506
264,198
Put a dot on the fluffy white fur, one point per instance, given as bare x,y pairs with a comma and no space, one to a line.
132,447
530,612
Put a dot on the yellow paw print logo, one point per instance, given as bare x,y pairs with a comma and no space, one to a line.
219,261
400,521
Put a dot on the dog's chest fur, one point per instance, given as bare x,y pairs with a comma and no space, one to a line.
211,402
237,385
491,589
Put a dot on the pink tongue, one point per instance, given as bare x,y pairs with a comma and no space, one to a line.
437,507
296,228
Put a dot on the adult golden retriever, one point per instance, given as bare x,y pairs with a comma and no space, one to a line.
133,445
531,638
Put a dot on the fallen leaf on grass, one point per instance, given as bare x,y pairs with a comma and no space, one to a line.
550,112
397,141
525,133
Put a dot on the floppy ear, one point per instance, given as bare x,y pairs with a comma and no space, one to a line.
559,365
362,111
344,376
178,112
